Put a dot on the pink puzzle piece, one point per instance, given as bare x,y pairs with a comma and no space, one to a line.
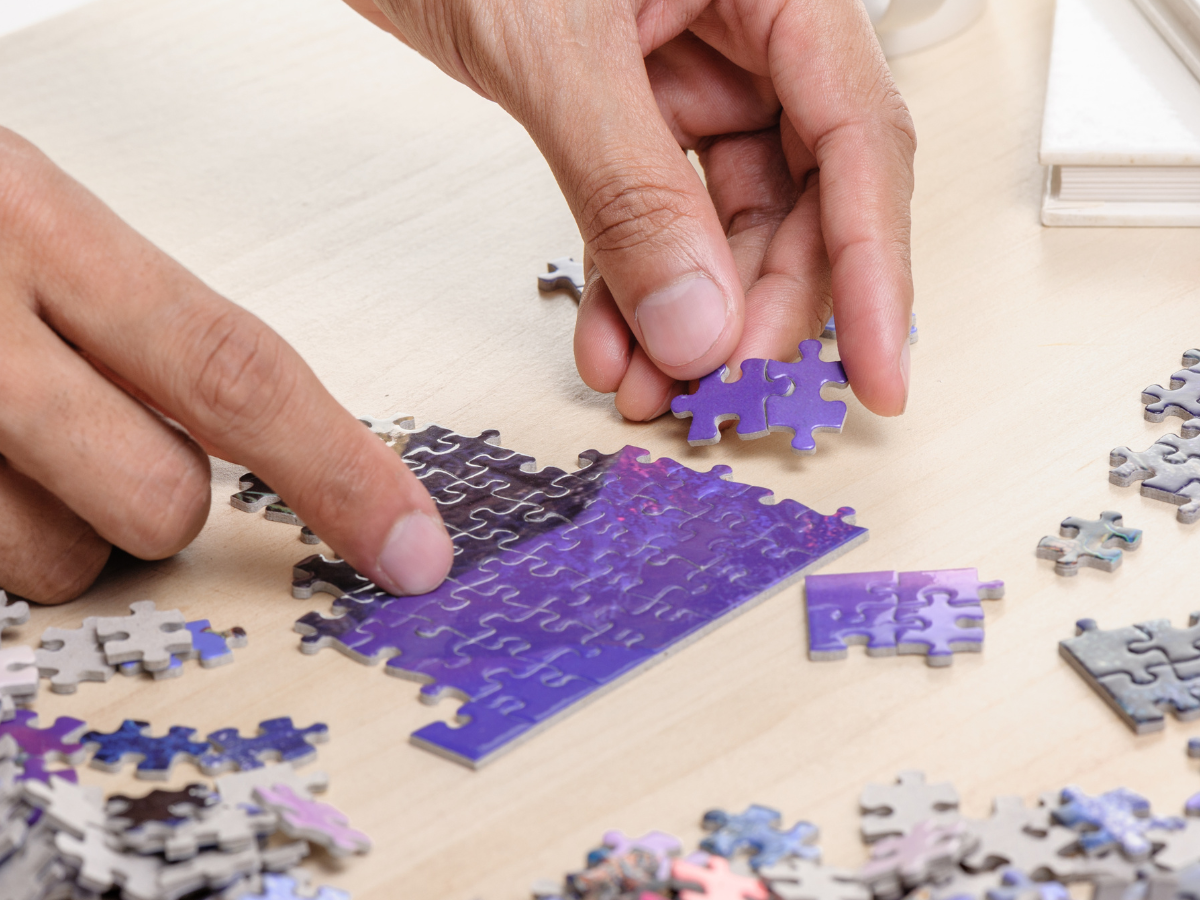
315,822
716,881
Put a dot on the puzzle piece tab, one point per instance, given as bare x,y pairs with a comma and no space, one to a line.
1169,470
1089,542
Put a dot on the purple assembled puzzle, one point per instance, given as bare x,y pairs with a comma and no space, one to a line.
563,583
935,613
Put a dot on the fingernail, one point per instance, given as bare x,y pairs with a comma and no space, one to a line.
905,365
682,321
417,555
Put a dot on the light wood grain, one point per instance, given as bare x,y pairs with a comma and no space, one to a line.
389,223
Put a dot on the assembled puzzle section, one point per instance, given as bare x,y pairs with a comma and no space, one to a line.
1169,470
1141,670
563,584
769,396
932,613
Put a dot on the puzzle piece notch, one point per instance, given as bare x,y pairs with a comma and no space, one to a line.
563,274
717,399
895,809
1089,542
69,656
147,635
802,879
1181,398
756,830
315,822
1020,837
276,739
803,411
155,756
1169,470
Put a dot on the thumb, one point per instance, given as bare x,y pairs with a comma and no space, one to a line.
646,218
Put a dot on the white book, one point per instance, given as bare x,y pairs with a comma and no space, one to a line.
1178,21
1121,129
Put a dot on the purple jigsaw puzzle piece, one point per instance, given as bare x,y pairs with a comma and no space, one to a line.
277,739
34,769
607,569
803,410
56,742
718,400
853,608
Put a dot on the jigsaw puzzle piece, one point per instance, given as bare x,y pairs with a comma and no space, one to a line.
938,613
664,847
12,613
1117,818
802,879
717,400
1182,398
146,635
155,756
895,809
19,674
802,410
68,656
1169,471
57,742
1142,706
276,740
315,822
563,274
1089,542
757,831
285,887
1095,652
851,608
928,852
715,881
1180,645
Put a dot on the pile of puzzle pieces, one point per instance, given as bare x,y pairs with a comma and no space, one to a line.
933,613
61,840
918,842
147,640
563,583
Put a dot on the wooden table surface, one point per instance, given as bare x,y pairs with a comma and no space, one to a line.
389,223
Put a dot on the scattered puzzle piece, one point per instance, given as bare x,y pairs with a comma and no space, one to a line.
894,809
315,822
255,494
802,879
1089,542
12,614
155,755
757,830
563,274
714,881
563,584
66,806
1020,837
68,656
1169,470
616,843
19,673
1137,683
1182,846
56,742
1181,399
628,874
1017,885
276,740
146,635
1117,818
169,807
231,828
928,852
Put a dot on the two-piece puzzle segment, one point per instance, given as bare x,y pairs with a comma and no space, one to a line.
1169,470
563,584
770,396
1089,542
756,830
1181,398
932,613
1140,670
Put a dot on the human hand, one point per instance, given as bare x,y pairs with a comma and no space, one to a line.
807,150
97,329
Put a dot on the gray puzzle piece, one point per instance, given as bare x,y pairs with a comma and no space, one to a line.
1181,398
1142,706
927,853
1089,542
34,870
146,635
12,614
1169,471
894,809
1021,837
1181,645
71,655
1095,652
802,879
1182,847
563,274
67,806
18,673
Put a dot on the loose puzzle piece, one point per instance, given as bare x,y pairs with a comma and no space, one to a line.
155,755
315,822
830,331
717,400
277,740
616,843
756,830
801,879
715,881
933,613
1181,399
1089,542
284,887
238,788
1130,669
19,673
146,635
71,655
58,742
770,396
167,807
66,806
256,494
563,274
1117,818
895,809
628,874
928,852
564,584
1021,837
1168,471
12,614
803,411
1019,886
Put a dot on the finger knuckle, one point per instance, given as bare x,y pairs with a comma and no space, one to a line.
630,208
170,504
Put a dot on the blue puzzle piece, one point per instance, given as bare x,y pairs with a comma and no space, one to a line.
156,755
755,830
594,575
1116,818
277,739
284,887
